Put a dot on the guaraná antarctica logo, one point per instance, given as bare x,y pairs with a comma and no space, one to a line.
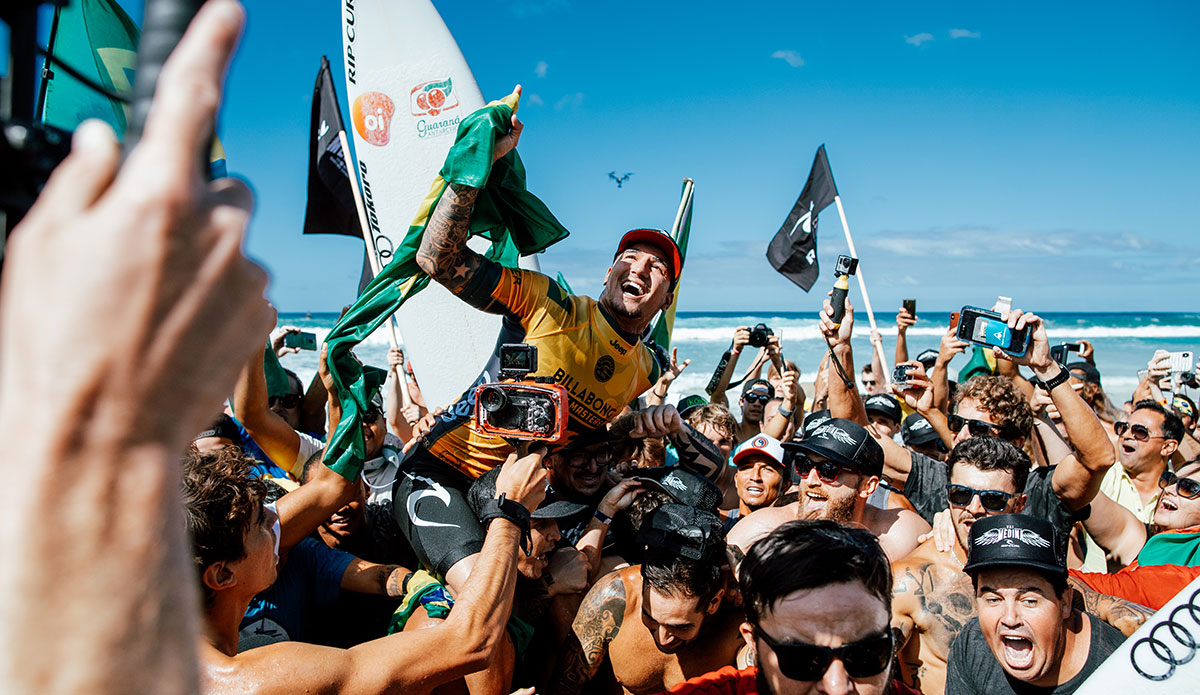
372,115
429,102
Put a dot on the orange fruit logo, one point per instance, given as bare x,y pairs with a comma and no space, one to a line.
372,116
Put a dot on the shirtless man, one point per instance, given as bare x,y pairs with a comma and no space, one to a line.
839,464
932,598
658,623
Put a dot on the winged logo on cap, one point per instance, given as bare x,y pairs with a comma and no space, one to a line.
1026,536
920,425
834,432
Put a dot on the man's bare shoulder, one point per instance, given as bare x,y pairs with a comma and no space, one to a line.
897,530
758,524
309,667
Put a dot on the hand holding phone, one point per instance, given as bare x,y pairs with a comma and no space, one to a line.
301,339
984,327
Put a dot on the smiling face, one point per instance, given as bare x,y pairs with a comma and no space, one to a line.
1151,454
543,534
637,286
759,479
1024,622
963,518
1175,511
345,522
841,500
580,474
673,620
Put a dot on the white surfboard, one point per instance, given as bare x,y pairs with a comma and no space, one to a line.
409,87
1169,661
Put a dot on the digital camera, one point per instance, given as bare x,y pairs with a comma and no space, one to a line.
519,407
759,335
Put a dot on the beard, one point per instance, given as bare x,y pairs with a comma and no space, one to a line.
840,509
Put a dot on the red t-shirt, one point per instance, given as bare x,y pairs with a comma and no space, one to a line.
1152,586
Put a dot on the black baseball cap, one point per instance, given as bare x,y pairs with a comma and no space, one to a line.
1085,372
928,358
1014,540
682,530
684,486
553,507
916,430
815,418
754,383
885,405
688,404
843,442
660,240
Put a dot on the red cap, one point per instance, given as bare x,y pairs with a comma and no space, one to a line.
659,240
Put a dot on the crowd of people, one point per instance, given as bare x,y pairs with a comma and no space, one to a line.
173,525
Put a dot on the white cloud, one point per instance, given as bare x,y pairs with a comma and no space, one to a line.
985,242
919,38
571,100
540,68
535,99
963,34
790,57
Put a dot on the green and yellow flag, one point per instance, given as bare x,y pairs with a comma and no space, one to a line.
661,335
515,221
98,40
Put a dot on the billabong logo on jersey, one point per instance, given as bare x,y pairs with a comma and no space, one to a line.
1009,535
605,367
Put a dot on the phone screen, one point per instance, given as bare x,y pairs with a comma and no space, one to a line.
991,332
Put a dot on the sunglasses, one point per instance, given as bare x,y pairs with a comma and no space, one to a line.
1188,488
581,459
992,500
289,401
827,471
801,661
977,428
370,415
868,383
756,398
1140,433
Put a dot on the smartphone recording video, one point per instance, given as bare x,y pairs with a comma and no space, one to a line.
984,327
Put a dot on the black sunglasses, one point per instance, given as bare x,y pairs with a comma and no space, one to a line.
801,661
1139,432
756,398
827,471
291,400
1188,488
992,500
977,428
581,459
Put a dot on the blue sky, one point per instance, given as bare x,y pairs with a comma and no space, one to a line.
1046,151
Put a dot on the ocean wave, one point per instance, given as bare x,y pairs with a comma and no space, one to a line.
810,332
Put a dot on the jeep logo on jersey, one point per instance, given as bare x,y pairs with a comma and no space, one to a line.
372,115
605,366
433,97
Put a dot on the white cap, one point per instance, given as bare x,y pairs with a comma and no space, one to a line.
763,444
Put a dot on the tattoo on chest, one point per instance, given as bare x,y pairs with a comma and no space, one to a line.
947,605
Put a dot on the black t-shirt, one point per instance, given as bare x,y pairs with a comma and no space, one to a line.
926,489
973,669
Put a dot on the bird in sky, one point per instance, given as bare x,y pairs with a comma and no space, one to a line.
620,179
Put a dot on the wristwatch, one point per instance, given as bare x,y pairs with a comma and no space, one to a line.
503,508
1056,380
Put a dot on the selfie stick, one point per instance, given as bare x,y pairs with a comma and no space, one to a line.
862,286
162,27
373,259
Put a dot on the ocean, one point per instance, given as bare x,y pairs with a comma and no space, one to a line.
1123,342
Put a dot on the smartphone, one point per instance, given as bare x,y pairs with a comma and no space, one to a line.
954,319
1058,353
302,340
910,305
1181,361
984,327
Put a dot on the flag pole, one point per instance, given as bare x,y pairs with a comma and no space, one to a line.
862,286
373,259
685,202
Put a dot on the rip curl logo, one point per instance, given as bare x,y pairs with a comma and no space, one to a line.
605,367
372,115
1008,536
672,481
429,101
834,432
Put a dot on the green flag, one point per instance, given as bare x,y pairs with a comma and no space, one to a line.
514,220
97,39
562,282
661,335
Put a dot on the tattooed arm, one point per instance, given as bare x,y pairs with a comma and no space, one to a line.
595,625
905,603
371,578
1126,616
444,255
697,453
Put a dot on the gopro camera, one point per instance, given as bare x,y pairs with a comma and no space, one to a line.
900,374
759,335
846,265
519,407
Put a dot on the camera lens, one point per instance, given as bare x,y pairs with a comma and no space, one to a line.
492,399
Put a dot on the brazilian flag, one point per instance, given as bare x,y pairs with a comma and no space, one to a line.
661,335
98,40
515,221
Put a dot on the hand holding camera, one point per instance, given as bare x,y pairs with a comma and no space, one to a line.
741,338
950,346
837,331
523,480
913,386
761,336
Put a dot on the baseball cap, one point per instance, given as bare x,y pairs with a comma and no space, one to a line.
754,383
687,404
553,507
844,442
815,418
886,405
928,358
682,530
684,486
1014,540
761,444
916,430
660,240
1085,372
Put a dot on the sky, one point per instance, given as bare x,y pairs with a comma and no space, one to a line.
1044,151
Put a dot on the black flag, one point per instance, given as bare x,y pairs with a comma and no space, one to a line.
793,251
330,202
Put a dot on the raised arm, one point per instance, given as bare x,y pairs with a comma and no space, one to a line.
270,432
658,394
741,337
792,394
696,452
844,400
949,347
1124,615
1115,529
596,624
904,321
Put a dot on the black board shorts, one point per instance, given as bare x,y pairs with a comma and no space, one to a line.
429,503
